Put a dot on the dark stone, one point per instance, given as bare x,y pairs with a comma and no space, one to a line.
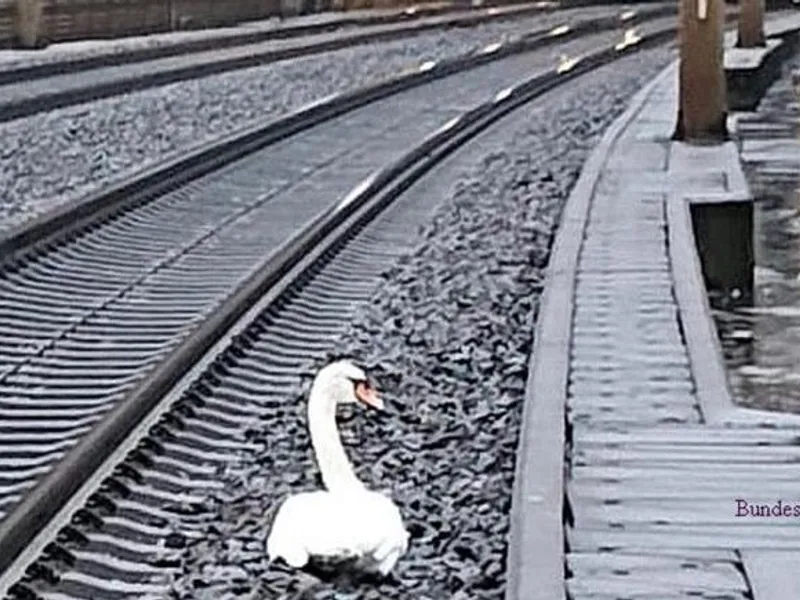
175,540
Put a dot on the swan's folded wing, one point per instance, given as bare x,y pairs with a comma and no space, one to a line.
337,530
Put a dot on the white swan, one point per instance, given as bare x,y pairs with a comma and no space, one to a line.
348,522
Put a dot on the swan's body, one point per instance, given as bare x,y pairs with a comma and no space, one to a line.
362,528
346,523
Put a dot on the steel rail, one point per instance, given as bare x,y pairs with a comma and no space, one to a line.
26,103
83,319
131,191
326,234
247,37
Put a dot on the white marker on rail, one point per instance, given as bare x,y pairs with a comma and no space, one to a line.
503,94
565,63
449,125
629,39
702,9
358,190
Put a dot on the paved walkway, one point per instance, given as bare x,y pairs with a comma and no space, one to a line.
661,461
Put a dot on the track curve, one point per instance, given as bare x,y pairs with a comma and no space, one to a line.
26,95
299,325
82,321
37,66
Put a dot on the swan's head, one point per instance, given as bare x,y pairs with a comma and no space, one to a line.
342,382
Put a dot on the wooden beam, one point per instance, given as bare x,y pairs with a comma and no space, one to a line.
751,24
702,107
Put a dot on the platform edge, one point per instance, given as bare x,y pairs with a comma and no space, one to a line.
535,560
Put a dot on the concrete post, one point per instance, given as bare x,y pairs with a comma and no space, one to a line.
28,23
702,107
751,24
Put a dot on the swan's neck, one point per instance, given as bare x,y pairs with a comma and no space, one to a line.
337,472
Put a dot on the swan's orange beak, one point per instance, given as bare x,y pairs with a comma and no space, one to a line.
367,394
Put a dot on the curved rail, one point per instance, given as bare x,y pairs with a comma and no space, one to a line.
68,220
28,98
416,20
333,233
85,315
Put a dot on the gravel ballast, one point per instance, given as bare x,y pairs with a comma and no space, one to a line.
91,48
48,159
447,334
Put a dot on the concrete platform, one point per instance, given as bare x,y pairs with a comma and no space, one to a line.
636,460
749,58
750,71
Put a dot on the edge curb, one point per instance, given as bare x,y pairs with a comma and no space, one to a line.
536,537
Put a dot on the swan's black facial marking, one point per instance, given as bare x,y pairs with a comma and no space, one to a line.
366,393
356,381
363,381
359,386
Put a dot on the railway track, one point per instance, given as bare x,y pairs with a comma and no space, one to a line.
125,304
28,97
412,19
